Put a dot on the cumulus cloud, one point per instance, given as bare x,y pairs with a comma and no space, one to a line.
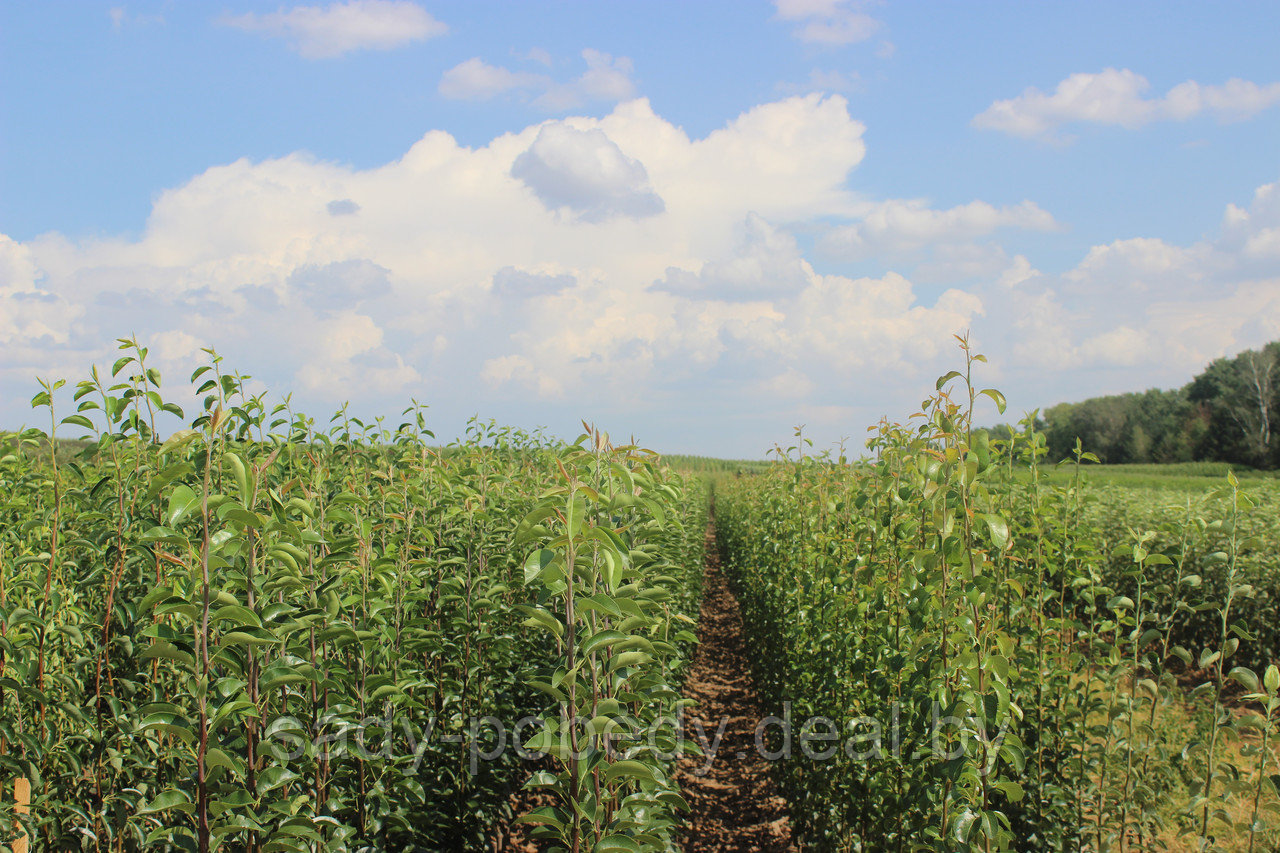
828,22
586,172
788,384
31,314
339,285
1146,310
346,358
517,284
477,80
1018,272
325,32
342,207
619,266
766,263
442,274
905,225
606,79
1255,232
320,273
1118,97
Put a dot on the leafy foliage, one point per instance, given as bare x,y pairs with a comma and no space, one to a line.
996,667
1228,413
260,634
618,608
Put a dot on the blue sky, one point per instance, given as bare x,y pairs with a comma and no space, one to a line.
699,222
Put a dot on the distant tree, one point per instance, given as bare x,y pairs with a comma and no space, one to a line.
1241,396
1230,412
1252,410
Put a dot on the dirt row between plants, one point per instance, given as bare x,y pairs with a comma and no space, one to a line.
735,805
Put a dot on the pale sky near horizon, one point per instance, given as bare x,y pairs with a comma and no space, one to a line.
701,223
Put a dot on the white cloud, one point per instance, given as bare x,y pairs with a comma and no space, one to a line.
906,225
323,33
1122,346
346,358
538,55
321,274
1147,311
120,17
1141,268
476,80
766,263
1018,272
607,79
37,325
31,313
625,268
512,274
1117,97
175,346
789,384
828,22
1255,232
586,172
947,263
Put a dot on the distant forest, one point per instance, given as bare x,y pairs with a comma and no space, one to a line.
1228,413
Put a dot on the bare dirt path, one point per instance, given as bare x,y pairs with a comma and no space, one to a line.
735,806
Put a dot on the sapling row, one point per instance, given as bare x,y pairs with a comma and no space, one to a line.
1005,662
252,631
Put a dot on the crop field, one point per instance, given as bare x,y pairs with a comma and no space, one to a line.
244,629
266,634
988,657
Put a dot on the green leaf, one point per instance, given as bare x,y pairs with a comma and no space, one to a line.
628,769
602,603
1247,678
943,380
1012,790
996,396
545,815
601,639
627,659
962,829
169,799
999,530
241,474
182,500
575,511
538,563
538,617
170,724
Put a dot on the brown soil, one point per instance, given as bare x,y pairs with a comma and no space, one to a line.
735,806
516,837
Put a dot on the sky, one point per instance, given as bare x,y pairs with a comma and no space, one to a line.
701,224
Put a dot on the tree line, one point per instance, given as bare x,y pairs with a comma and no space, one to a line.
1227,413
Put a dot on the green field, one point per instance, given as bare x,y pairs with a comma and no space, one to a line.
244,629
1174,476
